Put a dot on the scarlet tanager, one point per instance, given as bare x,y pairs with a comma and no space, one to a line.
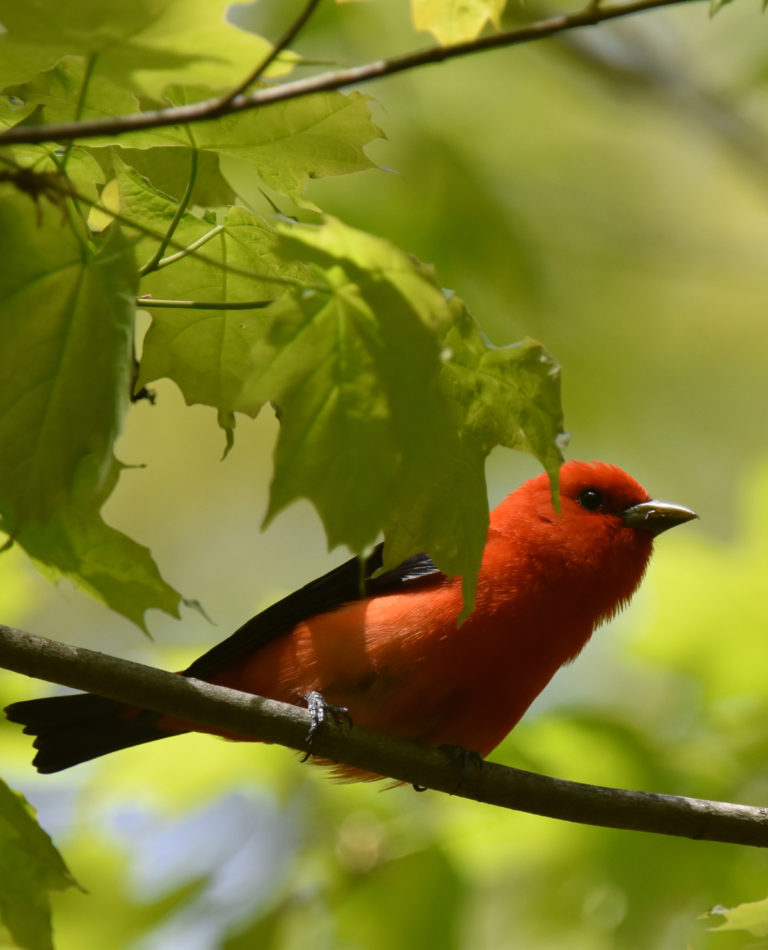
393,653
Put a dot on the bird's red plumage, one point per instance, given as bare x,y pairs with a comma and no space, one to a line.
401,663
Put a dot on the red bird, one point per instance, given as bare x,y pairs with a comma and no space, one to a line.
392,653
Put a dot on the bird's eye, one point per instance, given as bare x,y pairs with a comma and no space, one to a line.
591,499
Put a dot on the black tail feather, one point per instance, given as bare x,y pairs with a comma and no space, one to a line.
76,728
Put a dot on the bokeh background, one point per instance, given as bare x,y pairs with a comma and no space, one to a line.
608,195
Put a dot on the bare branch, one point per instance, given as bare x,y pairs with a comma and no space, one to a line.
288,37
276,722
591,15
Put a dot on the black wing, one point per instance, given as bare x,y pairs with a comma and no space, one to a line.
348,582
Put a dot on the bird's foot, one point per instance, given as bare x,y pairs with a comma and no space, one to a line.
319,712
465,759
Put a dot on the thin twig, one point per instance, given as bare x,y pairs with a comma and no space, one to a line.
338,79
288,37
270,721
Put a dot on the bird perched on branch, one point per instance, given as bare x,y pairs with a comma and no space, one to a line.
391,650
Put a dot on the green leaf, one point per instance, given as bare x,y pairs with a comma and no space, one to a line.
30,867
142,45
85,173
66,334
327,364
206,352
381,427
286,143
429,382
456,21
238,263
162,167
110,566
355,373
751,916
67,92
507,395
58,96
81,177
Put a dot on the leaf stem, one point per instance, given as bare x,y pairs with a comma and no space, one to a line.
156,261
82,95
150,303
186,251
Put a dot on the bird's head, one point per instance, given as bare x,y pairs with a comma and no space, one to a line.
595,492
599,542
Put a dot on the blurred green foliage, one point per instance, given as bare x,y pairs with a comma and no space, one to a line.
609,198
30,867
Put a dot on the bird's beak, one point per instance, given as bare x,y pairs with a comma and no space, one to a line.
656,516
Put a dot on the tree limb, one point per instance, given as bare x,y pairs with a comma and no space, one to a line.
437,769
591,15
282,44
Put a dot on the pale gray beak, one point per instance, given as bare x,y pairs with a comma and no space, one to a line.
656,516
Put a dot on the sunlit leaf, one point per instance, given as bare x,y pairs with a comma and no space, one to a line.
67,92
206,352
456,21
143,45
286,143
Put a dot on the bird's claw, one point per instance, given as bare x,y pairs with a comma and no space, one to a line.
319,712
465,759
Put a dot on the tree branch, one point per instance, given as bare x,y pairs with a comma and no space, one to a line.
276,722
591,15
288,37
